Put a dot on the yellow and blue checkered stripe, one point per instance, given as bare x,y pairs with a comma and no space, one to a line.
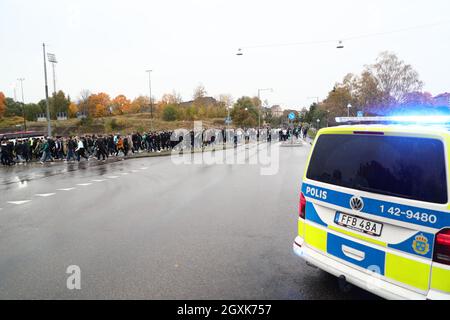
414,273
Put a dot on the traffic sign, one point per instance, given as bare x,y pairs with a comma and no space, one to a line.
291,116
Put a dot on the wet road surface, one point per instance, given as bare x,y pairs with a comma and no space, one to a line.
150,229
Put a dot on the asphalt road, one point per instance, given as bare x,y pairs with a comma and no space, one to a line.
150,229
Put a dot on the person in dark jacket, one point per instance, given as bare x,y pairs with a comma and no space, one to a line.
71,146
100,146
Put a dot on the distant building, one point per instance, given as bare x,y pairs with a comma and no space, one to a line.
442,100
277,111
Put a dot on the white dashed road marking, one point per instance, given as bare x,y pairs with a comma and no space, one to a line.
134,171
84,184
45,195
124,173
113,177
66,189
144,168
98,180
19,202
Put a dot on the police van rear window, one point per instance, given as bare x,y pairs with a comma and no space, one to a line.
412,168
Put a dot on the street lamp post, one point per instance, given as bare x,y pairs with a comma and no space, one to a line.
23,104
260,105
49,126
150,97
348,109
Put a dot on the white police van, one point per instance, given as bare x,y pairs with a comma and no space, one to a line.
374,207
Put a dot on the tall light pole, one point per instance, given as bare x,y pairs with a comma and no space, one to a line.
348,110
49,126
150,96
23,104
260,105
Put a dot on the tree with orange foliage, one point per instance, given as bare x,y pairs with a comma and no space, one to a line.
73,109
140,104
100,111
101,99
2,104
121,105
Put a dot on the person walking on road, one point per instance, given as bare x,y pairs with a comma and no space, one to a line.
100,145
46,152
80,150
71,146
119,145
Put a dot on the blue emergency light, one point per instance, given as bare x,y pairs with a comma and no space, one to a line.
438,120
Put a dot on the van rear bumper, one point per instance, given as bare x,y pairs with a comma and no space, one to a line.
360,279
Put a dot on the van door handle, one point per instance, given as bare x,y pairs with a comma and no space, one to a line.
353,253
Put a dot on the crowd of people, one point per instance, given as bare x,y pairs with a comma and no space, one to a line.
101,147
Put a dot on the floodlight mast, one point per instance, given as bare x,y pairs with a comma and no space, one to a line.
53,61
49,126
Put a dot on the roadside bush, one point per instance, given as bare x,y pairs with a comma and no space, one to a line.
86,122
170,113
111,125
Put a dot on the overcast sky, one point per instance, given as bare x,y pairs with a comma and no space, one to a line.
107,45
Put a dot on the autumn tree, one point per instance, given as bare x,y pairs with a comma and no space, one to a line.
226,100
245,112
73,110
83,101
121,105
2,104
335,105
100,111
395,78
95,100
140,104
199,92
171,98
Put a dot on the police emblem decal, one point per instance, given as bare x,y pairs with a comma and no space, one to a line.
420,245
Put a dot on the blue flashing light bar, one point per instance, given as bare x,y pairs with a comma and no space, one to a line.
397,119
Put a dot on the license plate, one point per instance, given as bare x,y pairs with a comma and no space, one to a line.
359,224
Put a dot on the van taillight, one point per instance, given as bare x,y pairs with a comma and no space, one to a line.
442,247
302,206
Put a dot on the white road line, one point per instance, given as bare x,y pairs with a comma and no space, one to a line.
98,180
113,177
45,195
134,171
144,168
67,189
84,184
19,202
124,173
